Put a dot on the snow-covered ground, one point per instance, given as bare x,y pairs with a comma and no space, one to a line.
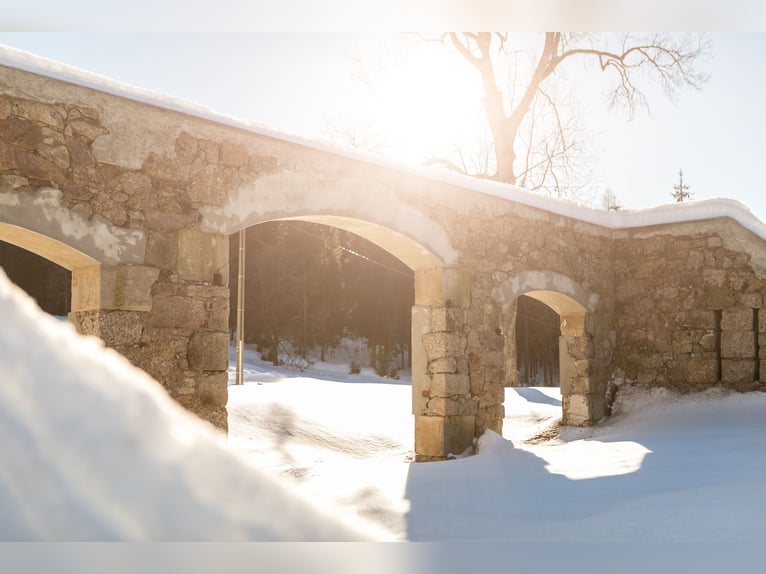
664,468
92,449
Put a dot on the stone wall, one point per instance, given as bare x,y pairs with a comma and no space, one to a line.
688,307
138,202
168,315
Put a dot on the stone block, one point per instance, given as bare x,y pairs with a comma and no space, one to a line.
447,384
175,340
446,319
437,437
160,363
421,380
443,365
202,256
44,114
124,287
133,288
702,370
737,371
212,388
713,277
442,406
218,316
646,377
209,351
120,327
737,344
438,345
578,411
679,370
443,287
162,250
21,132
492,359
737,319
86,288
494,394
751,300
469,406
681,342
178,312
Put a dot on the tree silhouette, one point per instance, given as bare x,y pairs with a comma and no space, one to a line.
681,190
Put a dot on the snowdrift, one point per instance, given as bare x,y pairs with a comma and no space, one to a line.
94,449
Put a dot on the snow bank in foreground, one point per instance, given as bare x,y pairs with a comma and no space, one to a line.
93,449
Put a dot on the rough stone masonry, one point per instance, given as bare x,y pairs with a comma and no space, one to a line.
138,199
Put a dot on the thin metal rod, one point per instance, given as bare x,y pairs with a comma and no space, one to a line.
241,309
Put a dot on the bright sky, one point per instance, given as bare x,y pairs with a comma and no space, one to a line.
303,83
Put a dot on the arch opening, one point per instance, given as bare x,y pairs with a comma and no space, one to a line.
59,277
566,301
48,283
313,291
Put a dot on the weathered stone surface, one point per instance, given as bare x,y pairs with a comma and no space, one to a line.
738,319
86,128
202,256
41,113
442,344
702,371
448,384
212,389
178,312
644,300
736,371
209,351
737,344
446,319
21,132
443,365
133,287
443,406
436,437
234,155
162,250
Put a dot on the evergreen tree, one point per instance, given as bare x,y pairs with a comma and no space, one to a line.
681,190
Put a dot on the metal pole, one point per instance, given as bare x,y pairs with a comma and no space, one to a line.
241,308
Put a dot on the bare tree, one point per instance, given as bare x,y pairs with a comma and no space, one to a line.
535,144
609,201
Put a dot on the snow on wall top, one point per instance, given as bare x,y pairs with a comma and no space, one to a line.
624,219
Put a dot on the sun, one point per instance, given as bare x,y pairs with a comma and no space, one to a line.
424,102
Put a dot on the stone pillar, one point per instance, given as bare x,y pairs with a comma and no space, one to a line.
486,356
582,404
510,311
173,324
444,409
738,348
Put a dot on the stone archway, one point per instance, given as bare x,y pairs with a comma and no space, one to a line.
442,403
85,270
582,401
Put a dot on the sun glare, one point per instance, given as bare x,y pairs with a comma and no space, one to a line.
425,101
